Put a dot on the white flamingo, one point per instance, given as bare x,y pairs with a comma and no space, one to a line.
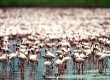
47,66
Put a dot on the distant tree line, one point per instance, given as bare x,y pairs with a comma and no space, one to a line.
55,3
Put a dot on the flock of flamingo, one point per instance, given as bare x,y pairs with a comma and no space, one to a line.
78,35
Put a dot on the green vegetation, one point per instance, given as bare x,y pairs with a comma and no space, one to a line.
56,3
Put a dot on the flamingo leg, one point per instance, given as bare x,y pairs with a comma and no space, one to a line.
78,69
44,73
5,70
106,65
74,66
22,70
82,68
103,66
11,70
98,65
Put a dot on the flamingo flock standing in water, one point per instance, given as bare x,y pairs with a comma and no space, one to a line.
82,40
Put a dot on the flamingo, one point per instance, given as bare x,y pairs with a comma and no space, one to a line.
48,55
102,57
59,52
47,66
65,60
33,58
78,59
22,59
59,67
12,56
4,59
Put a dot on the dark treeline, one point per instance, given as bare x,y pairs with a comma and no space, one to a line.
54,3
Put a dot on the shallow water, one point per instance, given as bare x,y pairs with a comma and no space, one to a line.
36,74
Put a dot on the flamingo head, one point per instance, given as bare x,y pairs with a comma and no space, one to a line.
60,57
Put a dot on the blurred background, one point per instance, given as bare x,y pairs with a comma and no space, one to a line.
54,3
